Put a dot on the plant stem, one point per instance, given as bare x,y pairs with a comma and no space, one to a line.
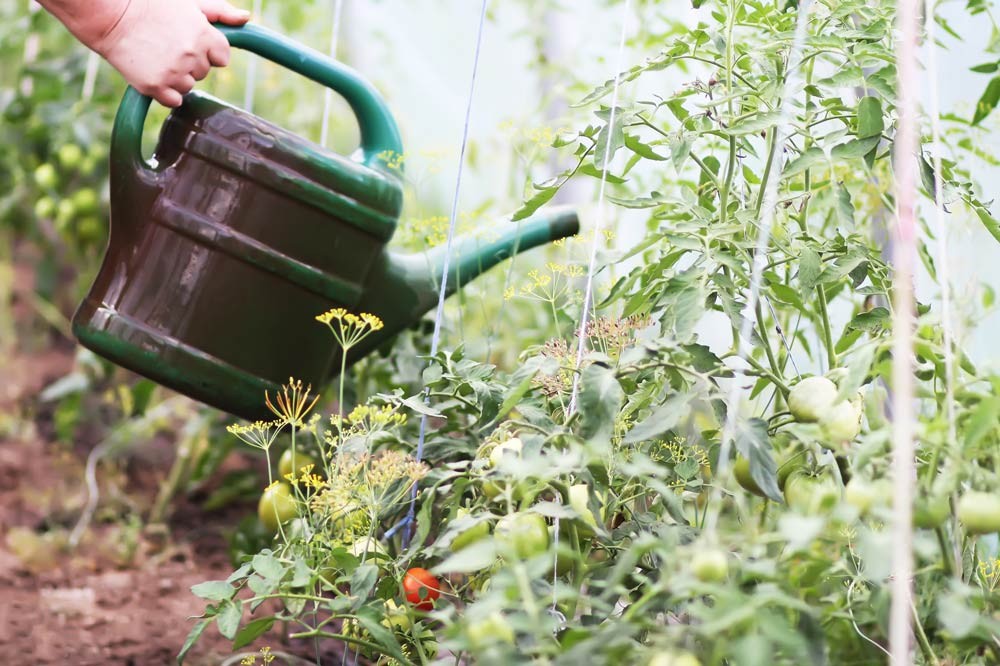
831,354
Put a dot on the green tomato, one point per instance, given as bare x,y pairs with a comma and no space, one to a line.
467,537
811,398
45,208
511,447
396,617
86,201
46,177
979,512
930,512
90,229
490,630
710,565
276,506
522,534
811,494
301,459
788,462
70,155
741,470
842,422
579,499
663,658
863,494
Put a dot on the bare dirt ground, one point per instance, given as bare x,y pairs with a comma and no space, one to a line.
122,596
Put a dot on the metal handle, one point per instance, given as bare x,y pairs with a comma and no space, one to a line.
380,140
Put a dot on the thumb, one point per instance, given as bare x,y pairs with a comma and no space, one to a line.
220,11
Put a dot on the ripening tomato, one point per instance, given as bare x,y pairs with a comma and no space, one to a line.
276,506
523,534
842,422
811,494
979,512
710,565
512,447
741,470
469,536
421,588
811,399
301,460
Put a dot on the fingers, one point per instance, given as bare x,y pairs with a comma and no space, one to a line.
201,67
222,12
168,97
185,84
218,50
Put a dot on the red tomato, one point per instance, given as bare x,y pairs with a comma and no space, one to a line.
421,588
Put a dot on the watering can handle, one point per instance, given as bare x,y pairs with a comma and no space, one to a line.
380,140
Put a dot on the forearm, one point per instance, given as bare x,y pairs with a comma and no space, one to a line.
90,21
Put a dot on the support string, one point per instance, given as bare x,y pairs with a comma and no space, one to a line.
452,223
904,259
324,132
251,85
588,293
793,84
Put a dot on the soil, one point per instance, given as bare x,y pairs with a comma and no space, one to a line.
122,594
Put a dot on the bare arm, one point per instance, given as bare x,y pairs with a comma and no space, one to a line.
161,47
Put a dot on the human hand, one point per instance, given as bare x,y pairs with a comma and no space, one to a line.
163,47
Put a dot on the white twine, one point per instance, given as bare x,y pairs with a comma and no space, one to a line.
324,133
452,224
90,77
793,84
588,293
248,92
904,259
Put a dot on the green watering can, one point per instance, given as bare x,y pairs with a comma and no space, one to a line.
226,247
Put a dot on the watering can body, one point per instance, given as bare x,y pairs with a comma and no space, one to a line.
225,248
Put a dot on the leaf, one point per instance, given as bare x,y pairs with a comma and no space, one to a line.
600,401
252,631
633,143
214,590
609,140
268,566
982,421
665,417
989,222
857,371
988,101
810,158
810,268
755,124
870,120
528,208
417,404
753,444
228,619
985,68
845,209
363,581
855,148
385,638
472,558
192,638
874,321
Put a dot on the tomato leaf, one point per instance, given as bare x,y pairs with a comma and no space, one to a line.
600,401
665,417
192,638
474,557
988,101
363,580
214,590
753,444
252,631
228,619
870,121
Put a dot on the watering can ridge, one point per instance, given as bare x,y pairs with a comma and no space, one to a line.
238,233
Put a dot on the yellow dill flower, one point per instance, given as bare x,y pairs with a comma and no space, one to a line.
293,403
348,328
259,434
265,652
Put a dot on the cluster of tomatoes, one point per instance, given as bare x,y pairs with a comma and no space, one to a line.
77,216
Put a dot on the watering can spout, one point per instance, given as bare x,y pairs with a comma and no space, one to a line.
475,254
406,287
